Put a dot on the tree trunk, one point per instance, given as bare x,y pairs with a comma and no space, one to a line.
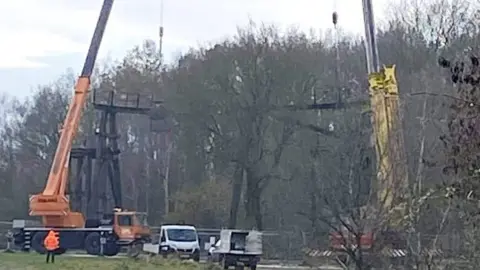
313,213
236,194
253,206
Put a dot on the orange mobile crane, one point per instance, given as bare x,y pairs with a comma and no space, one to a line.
120,228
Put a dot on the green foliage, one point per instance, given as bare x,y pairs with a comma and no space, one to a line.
37,262
206,205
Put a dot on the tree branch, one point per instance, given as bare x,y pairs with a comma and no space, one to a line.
442,95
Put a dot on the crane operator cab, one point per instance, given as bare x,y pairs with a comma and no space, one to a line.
130,226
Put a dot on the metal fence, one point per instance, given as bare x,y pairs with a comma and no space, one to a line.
5,226
276,245
288,245
450,244
283,246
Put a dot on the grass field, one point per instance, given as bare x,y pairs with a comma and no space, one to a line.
37,262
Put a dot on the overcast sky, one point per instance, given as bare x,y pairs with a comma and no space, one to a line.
42,38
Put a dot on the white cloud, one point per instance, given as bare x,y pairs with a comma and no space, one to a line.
26,35
24,45
32,29
35,29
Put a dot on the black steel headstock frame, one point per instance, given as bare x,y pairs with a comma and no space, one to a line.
97,163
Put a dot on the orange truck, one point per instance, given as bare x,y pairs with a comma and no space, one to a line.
98,237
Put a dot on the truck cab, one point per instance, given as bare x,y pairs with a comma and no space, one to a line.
130,226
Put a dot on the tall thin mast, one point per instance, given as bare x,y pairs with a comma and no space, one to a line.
160,35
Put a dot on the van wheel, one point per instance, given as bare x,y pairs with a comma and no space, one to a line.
92,243
37,242
196,257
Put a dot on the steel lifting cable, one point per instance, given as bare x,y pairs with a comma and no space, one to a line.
337,53
160,32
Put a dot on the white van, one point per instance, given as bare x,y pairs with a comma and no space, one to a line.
181,240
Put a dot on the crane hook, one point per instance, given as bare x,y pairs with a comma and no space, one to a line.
334,18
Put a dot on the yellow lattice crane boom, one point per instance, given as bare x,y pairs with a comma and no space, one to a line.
392,175
390,182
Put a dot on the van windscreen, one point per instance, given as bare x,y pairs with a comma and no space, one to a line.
182,235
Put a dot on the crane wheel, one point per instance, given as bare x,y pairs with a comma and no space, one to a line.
134,250
92,243
239,267
37,242
111,249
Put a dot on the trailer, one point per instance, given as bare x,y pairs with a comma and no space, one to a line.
238,248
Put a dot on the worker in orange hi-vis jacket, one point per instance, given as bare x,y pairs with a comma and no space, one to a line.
51,243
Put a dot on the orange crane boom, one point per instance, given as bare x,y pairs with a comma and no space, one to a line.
53,204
